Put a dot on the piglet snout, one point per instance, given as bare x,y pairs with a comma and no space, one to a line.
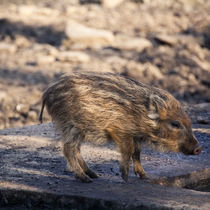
197,150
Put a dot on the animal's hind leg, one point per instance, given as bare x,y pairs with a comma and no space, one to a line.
84,166
71,153
72,138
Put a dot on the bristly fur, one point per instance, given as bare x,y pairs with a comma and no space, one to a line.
97,107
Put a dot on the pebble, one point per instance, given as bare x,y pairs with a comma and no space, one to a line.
167,39
46,59
132,43
22,108
111,3
7,48
3,95
73,56
32,115
87,36
202,120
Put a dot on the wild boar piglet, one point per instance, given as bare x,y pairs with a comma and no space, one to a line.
96,107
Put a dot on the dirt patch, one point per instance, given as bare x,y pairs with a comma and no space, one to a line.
159,43
34,175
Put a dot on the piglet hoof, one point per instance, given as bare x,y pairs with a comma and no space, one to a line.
125,179
83,178
91,174
124,176
143,176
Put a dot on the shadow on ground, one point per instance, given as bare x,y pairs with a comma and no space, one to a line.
33,175
40,34
21,78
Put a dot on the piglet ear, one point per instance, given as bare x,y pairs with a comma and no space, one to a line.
156,104
153,115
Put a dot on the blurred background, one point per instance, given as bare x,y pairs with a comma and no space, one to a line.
162,43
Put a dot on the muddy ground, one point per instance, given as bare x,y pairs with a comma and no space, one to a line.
161,43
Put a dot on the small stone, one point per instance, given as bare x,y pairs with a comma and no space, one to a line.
147,71
88,37
167,39
22,108
73,56
111,3
45,59
21,41
201,106
52,50
202,120
7,48
132,43
32,115
3,95
26,9
152,71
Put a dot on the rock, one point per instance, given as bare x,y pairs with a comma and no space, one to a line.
45,59
44,50
28,10
51,50
202,106
116,63
32,115
182,39
3,95
132,43
143,72
7,48
202,120
202,64
116,59
190,40
152,72
167,39
84,36
22,108
21,41
111,3
73,56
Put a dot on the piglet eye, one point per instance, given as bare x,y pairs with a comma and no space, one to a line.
175,124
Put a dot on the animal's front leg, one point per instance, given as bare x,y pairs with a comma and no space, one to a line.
126,147
137,167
